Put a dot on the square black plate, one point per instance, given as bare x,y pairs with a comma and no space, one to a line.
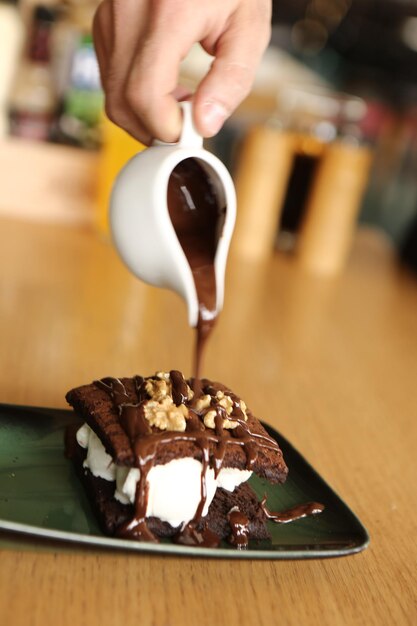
41,496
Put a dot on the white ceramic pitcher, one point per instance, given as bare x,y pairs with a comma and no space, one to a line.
140,223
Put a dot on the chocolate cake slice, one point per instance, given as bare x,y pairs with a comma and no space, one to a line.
167,457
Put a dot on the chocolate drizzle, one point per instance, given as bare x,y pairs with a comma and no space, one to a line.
293,514
239,525
190,535
212,443
197,216
179,387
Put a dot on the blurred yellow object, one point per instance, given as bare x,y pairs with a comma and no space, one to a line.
118,148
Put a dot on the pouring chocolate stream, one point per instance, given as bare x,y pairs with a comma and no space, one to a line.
197,216
197,211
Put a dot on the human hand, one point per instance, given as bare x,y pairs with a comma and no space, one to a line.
141,43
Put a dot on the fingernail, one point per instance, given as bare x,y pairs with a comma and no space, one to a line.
213,117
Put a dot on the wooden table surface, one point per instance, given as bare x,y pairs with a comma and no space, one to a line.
332,363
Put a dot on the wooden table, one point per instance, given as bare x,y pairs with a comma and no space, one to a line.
332,363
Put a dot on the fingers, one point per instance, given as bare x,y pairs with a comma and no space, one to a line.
103,38
115,40
153,100
238,53
139,67
152,89
140,46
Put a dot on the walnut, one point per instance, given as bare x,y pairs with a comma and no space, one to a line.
165,415
163,375
160,386
157,389
226,402
190,393
160,409
202,403
209,419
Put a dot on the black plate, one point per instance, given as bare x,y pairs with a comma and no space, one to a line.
40,496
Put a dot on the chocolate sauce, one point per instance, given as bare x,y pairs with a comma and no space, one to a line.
198,218
192,536
239,525
212,443
179,387
293,514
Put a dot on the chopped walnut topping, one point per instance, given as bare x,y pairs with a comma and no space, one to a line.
162,375
160,409
160,386
226,402
190,393
209,421
202,403
165,415
162,412
157,389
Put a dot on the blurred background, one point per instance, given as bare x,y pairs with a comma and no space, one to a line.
327,138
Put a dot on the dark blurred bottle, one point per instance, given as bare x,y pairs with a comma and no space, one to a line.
33,99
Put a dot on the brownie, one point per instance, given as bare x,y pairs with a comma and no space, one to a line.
97,408
147,422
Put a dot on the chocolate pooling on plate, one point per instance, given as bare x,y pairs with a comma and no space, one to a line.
212,421
198,215
239,525
293,514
